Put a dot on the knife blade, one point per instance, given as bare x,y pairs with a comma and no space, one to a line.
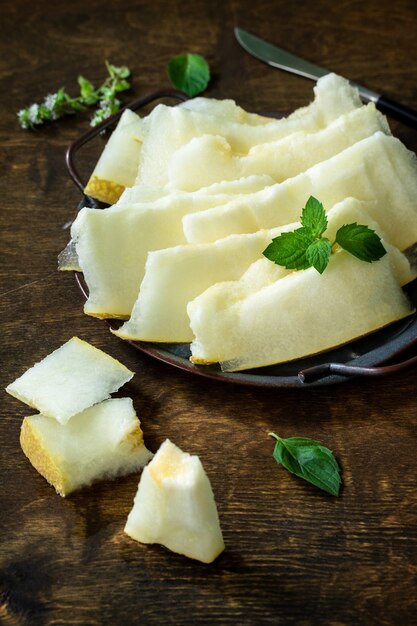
281,59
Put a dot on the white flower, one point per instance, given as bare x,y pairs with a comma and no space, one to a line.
50,102
33,113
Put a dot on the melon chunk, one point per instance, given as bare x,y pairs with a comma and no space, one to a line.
168,128
301,314
102,442
210,158
118,163
177,275
377,168
174,506
69,380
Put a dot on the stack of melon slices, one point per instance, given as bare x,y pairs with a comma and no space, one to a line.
204,189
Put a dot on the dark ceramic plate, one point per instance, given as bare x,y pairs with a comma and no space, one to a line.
383,352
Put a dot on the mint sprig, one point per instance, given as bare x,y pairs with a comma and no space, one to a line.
307,247
309,460
189,73
60,103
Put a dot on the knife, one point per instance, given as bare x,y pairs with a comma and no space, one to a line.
291,63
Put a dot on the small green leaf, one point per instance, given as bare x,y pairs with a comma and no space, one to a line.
289,249
309,460
361,241
86,87
122,85
318,254
314,217
190,73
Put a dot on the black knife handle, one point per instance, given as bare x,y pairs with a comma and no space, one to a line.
397,111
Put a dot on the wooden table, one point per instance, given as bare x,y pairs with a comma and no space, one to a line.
294,555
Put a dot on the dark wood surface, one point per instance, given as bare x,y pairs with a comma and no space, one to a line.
294,555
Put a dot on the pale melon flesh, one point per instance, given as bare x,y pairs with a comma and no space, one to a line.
168,128
112,244
102,442
118,163
247,184
210,158
303,313
174,506
69,380
177,275
377,168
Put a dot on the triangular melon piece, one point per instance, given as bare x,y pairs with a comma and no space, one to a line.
210,158
377,168
69,380
177,275
174,506
168,128
102,442
301,314
118,163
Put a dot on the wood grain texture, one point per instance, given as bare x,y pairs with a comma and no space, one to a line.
294,555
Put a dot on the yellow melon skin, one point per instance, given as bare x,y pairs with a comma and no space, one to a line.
104,190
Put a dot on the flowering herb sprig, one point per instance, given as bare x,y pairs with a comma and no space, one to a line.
60,103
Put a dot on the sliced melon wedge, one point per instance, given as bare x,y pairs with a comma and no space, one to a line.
118,163
112,245
177,275
69,380
102,442
210,158
168,128
227,109
246,184
377,168
301,314
174,506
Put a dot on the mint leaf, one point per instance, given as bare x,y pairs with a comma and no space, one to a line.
86,87
309,460
361,241
318,254
289,249
189,73
314,217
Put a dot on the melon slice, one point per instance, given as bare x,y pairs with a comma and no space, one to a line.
168,128
69,380
177,275
247,184
118,163
377,168
174,506
227,109
301,314
112,245
210,158
102,442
